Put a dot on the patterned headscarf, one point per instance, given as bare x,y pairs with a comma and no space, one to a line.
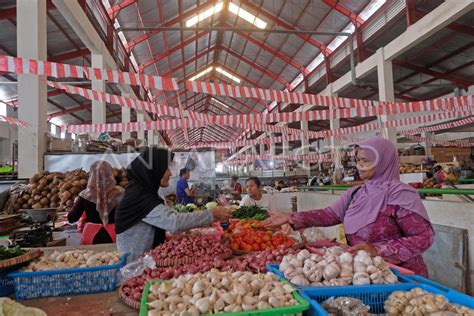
102,189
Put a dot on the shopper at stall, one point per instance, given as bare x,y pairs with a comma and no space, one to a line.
142,217
236,188
384,216
254,194
98,201
184,193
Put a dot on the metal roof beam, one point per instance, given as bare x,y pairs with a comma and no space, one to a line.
130,45
268,73
86,106
114,11
170,51
281,56
69,55
288,26
355,19
436,74
187,62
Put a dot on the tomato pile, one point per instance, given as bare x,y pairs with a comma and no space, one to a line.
255,240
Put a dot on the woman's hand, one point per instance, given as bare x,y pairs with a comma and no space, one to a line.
221,213
277,219
367,247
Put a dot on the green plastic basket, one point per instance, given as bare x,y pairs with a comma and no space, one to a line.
287,311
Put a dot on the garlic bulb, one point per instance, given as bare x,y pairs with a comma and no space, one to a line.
331,271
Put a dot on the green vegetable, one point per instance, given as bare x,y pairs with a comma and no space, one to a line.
7,253
192,206
254,211
211,205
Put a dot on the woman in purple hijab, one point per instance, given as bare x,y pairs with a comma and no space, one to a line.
384,216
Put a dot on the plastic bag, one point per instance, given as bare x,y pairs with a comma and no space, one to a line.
313,234
136,268
345,306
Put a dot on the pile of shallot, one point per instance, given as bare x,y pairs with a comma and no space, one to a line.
336,267
189,247
217,292
73,259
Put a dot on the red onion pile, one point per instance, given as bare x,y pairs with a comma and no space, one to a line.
190,247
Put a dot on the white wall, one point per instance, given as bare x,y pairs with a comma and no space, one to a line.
8,134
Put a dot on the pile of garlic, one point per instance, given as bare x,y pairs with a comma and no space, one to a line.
217,292
336,267
73,259
419,302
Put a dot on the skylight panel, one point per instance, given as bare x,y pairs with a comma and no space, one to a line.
202,73
204,15
247,16
227,74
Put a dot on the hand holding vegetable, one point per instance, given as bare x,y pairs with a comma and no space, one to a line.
221,213
277,219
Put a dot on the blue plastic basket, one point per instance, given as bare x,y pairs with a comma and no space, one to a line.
54,283
6,282
375,296
275,269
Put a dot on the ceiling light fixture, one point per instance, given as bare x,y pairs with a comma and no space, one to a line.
227,74
202,73
204,15
247,16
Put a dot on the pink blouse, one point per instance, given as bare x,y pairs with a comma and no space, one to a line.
399,235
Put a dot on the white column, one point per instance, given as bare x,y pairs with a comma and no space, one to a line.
262,149
335,123
305,146
32,93
386,92
427,144
286,150
98,107
126,117
272,144
141,133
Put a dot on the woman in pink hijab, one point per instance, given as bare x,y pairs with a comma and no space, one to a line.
98,201
383,216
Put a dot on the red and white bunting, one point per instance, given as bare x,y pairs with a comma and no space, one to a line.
438,127
457,143
13,121
57,70
221,89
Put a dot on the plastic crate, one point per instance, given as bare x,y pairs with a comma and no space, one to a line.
6,282
54,283
287,311
420,279
375,296
275,269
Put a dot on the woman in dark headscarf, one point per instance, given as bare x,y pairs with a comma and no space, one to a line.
142,218
384,216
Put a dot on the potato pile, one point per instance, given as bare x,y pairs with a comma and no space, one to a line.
408,168
73,183
43,191
429,183
58,190
120,176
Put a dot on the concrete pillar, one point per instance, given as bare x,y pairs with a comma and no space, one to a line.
427,144
305,146
335,123
262,149
386,92
98,107
286,151
272,144
32,92
126,117
141,133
